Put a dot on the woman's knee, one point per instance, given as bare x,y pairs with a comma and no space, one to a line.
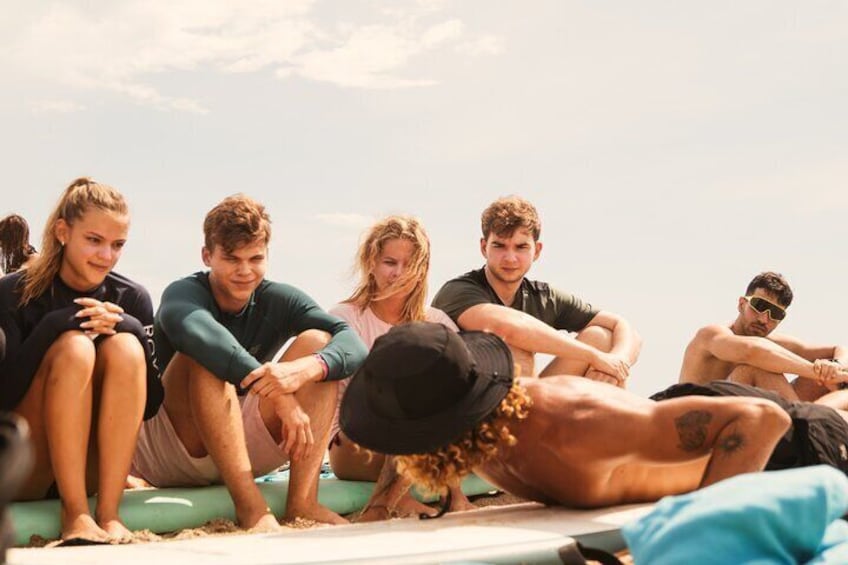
72,350
121,357
123,347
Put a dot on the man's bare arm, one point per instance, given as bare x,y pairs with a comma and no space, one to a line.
738,433
811,352
758,352
626,342
523,331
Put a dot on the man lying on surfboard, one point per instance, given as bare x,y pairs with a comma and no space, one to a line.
447,404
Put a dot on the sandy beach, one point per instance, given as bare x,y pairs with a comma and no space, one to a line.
221,527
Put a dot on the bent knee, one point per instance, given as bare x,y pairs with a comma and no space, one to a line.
123,346
596,336
314,339
748,374
72,346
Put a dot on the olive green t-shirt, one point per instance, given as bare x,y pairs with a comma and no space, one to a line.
560,310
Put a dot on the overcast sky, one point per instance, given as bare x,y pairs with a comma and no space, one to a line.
674,149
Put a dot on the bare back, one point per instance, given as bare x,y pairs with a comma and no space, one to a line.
588,444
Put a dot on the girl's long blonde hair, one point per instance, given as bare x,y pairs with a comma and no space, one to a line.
81,195
414,280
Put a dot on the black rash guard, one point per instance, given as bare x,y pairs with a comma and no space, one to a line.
29,331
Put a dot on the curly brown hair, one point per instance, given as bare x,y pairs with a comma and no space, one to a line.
447,466
507,214
236,221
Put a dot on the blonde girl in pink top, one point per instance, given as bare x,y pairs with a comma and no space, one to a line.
393,263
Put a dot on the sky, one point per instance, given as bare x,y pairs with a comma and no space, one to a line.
673,149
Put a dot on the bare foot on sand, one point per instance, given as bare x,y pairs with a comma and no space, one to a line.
459,502
117,531
315,512
405,506
267,524
83,526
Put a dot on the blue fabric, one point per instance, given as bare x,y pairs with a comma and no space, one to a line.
791,516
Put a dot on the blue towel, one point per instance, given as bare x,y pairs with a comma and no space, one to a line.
791,516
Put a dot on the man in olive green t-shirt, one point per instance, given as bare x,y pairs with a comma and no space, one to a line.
529,314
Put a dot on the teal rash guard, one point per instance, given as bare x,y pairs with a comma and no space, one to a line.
231,345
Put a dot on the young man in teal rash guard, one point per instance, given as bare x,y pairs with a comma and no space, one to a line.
227,415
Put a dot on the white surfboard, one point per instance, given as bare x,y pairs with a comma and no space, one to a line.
525,533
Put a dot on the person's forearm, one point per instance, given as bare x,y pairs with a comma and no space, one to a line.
746,442
527,333
311,367
772,357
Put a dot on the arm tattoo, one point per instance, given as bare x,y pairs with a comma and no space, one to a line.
732,443
692,429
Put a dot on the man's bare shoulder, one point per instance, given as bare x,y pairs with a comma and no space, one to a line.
555,385
561,394
712,331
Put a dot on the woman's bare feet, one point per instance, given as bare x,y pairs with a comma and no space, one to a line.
83,526
267,524
315,512
118,532
405,506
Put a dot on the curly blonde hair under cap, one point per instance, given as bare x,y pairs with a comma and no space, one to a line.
447,466
413,281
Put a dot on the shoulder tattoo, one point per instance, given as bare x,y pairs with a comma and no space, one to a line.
692,429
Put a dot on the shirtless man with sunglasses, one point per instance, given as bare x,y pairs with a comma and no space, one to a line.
747,351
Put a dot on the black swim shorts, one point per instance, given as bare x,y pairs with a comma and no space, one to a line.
818,435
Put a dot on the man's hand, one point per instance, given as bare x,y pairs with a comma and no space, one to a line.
596,375
272,379
102,316
612,365
297,431
829,373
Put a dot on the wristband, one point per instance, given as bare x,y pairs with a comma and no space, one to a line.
840,386
325,369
